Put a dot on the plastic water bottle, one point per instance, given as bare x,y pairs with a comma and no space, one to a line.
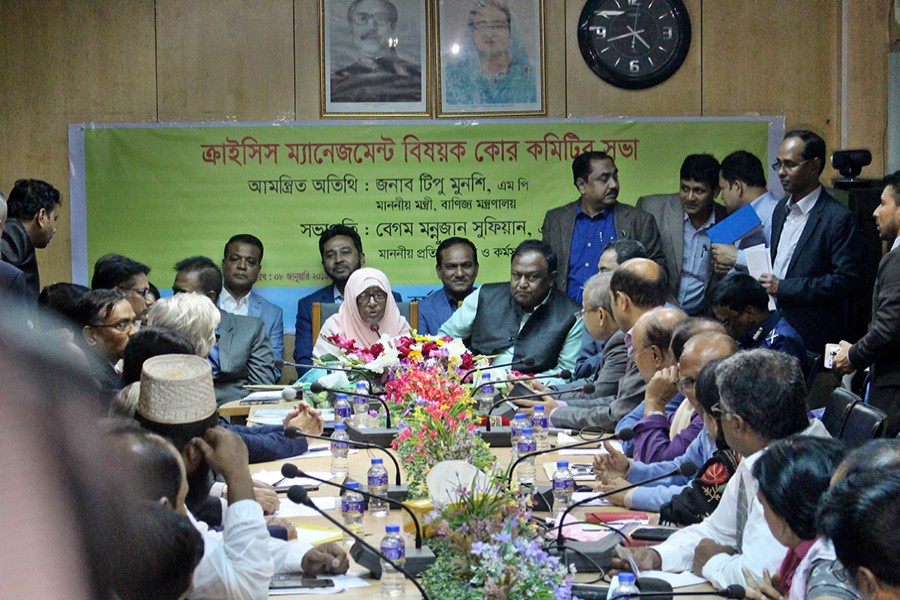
563,488
342,409
485,396
378,485
526,467
340,464
627,586
393,583
352,505
519,422
361,405
539,424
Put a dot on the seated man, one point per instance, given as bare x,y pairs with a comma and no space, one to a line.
457,268
526,317
741,304
342,253
241,263
763,399
107,321
117,272
242,354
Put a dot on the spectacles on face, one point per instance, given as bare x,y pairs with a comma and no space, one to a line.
718,410
581,313
123,325
145,293
787,165
363,18
685,383
367,297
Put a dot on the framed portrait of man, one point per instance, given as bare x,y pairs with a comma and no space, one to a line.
374,57
491,57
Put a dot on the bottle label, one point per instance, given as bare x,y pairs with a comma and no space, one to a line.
377,481
352,505
339,446
394,553
563,485
343,412
540,422
525,446
360,401
487,390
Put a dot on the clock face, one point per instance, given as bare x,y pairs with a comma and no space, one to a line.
634,44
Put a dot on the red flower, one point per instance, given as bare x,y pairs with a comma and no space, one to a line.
376,350
428,348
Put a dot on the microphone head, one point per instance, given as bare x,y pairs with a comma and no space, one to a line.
279,364
290,471
588,388
528,361
565,374
298,495
735,591
316,387
289,394
375,328
688,469
626,435
292,432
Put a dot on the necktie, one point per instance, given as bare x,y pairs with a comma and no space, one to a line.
742,509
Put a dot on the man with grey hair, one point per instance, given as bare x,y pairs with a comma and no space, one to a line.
762,400
12,280
379,74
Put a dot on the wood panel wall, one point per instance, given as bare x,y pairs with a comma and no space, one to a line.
70,61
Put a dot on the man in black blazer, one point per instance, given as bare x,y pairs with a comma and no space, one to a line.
817,252
879,349
579,231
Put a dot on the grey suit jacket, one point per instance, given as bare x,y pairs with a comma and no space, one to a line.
631,223
605,411
669,215
245,356
609,372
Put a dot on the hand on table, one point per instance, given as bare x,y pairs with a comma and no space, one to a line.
761,589
305,418
705,550
327,559
646,559
613,465
617,498
528,405
288,526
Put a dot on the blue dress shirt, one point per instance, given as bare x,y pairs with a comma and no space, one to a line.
589,237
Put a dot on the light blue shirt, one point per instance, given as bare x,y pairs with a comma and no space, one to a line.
694,265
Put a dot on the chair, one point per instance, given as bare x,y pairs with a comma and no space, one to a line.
322,310
837,409
811,368
865,422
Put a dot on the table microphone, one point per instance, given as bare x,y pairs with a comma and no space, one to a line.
734,591
525,361
587,388
294,432
298,495
318,388
416,561
564,374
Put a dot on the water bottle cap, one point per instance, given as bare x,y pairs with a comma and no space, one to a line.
360,384
520,416
562,464
353,485
392,529
340,426
341,396
378,461
539,407
485,375
528,431
626,577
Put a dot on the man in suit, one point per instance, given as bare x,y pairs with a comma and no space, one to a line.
457,268
342,254
816,247
684,220
107,322
242,354
12,280
241,263
579,231
120,273
879,349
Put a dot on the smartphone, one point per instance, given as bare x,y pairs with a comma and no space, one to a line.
281,581
652,534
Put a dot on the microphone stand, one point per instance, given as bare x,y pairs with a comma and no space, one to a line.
298,495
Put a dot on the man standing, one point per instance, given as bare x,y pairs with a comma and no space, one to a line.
816,247
242,353
379,74
579,231
33,207
241,263
525,317
342,254
743,181
879,349
683,222
457,268
12,280
117,272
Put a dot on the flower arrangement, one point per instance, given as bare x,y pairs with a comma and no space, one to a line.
405,350
434,414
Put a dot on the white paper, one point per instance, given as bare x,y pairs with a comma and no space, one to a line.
579,496
676,580
759,262
288,509
263,396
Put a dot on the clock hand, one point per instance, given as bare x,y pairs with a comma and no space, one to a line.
625,35
637,36
610,13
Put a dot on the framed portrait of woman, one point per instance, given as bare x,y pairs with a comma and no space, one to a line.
491,57
374,57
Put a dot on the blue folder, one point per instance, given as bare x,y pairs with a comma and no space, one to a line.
735,226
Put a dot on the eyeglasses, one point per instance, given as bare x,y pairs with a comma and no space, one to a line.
581,313
685,383
718,411
787,165
366,297
143,293
123,325
362,18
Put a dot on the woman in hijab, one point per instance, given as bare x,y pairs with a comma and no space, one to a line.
368,312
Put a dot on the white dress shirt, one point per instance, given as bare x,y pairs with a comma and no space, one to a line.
798,215
235,307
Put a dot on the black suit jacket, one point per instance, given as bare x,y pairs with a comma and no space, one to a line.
825,272
245,356
880,347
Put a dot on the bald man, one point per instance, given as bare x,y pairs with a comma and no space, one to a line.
637,287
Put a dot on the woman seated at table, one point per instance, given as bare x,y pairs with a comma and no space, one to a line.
368,312
793,475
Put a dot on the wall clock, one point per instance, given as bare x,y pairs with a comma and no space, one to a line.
634,44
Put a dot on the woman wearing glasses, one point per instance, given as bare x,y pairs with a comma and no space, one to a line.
368,312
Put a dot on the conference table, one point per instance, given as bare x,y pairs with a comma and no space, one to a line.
374,526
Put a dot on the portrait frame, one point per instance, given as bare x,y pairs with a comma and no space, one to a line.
352,83
466,52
